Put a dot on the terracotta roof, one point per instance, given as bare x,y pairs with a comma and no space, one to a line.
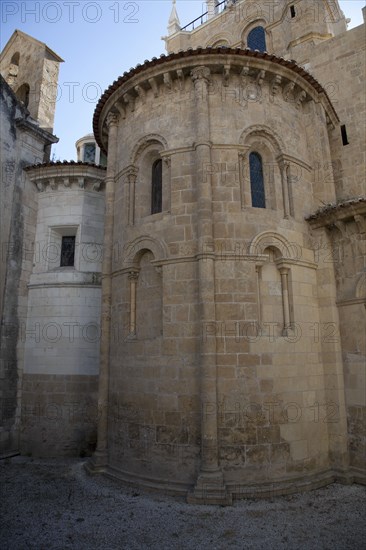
290,64
329,208
64,163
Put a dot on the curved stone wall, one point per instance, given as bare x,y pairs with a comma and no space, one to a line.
228,392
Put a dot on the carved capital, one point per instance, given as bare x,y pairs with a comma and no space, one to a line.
112,120
167,161
131,174
199,74
133,275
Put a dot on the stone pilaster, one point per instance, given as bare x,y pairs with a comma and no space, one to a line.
99,460
210,486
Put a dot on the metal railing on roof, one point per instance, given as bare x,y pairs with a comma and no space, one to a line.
220,7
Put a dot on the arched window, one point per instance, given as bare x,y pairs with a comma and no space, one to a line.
156,187
23,94
257,180
257,39
15,59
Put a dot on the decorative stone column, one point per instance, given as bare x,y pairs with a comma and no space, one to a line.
285,188
285,300
131,182
99,460
133,277
210,485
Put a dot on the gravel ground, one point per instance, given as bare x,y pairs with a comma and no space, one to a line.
54,504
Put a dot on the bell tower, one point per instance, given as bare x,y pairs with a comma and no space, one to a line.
31,69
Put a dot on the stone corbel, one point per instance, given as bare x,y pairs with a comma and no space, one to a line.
81,183
53,184
226,75
245,72
180,77
66,182
141,93
121,109
129,100
96,185
40,186
244,76
288,91
342,228
168,83
260,78
361,223
276,85
154,86
300,99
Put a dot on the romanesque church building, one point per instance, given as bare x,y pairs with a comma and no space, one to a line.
185,304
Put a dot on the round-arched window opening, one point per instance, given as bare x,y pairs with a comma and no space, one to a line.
23,94
257,39
15,59
157,187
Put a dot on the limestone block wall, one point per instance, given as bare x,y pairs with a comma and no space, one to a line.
286,36
61,336
23,143
344,251
229,380
339,66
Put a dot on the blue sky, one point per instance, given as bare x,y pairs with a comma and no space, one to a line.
99,41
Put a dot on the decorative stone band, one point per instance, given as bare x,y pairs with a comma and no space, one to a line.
61,176
168,74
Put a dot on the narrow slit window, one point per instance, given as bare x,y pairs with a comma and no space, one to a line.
157,187
344,135
293,11
257,181
67,252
